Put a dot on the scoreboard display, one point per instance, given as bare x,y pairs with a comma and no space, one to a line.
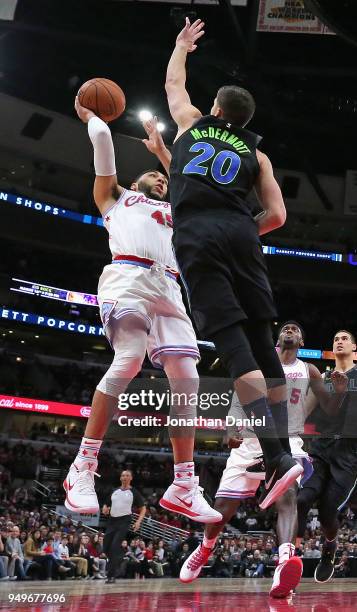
53,293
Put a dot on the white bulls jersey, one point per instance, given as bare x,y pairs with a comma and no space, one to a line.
140,226
236,482
297,383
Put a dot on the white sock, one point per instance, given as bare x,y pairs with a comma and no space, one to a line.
87,456
286,551
184,473
209,543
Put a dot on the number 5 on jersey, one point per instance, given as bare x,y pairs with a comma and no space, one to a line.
224,167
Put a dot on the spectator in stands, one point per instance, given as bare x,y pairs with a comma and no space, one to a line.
255,566
222,566
193,540
4,560
160,559
18,565
149,553
140,563
81,563
47,546
62,555
3,568
57,536
83,552
311,553
126,557
95,548
180,559
44,530
33,552
342,567
340,549
174,544
246,555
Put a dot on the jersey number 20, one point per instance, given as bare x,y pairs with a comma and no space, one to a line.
224,167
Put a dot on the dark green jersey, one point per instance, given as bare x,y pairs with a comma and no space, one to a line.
214,167
344,424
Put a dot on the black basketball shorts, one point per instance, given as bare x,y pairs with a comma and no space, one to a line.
223,267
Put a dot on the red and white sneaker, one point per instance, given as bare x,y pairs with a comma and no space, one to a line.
189,502
192,567
80,492
286,577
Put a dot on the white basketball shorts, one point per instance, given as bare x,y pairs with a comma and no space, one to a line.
235,482
154,295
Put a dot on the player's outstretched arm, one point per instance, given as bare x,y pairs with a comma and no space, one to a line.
270,196
106,189
155,143
181,109
329,402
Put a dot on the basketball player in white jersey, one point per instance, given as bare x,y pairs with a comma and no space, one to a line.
244,469
142,312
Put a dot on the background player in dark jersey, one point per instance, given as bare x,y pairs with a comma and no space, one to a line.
240,479
334,457
215,164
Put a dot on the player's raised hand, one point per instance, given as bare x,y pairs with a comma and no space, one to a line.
339,381
83,113
190,34
154,143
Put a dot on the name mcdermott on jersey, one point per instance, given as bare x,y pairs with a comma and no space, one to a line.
224,136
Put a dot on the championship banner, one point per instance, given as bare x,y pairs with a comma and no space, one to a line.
289,16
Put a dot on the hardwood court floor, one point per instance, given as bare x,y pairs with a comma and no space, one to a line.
169,595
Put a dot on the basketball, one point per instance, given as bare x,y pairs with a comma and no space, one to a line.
104,97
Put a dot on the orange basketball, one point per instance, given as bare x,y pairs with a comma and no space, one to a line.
104,97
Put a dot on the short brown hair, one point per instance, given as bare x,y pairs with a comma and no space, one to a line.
237,104
353,339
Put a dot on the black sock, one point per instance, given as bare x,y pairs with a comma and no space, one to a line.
279,413
266,434
331,545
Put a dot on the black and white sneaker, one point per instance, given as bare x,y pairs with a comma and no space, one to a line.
278,479
326,567
257,470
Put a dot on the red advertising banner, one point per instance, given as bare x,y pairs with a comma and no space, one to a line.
144,419
44,406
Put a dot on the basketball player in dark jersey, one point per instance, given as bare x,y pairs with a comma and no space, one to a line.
215,164
334,455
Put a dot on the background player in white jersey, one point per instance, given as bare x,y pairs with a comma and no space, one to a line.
244,470
142,311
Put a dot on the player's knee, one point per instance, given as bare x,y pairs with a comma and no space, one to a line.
234,350
304,502
239,362
260,336
224,506
184,385
120,373
126,365
288,501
